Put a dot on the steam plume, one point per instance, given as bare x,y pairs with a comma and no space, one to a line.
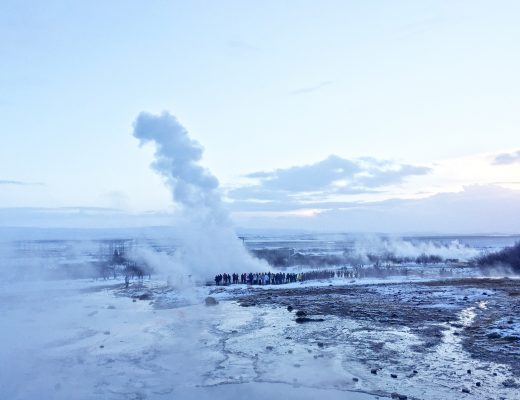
209,244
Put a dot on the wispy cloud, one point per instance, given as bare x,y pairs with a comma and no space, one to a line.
10,182
507,158
79,217
19,183
310,89
455,212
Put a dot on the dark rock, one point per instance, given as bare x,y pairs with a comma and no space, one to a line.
290,308
288,337
493,335
210,301
468,371
415,372
393,376
270,348
464,390
320,344
478,384
145,296
511,383
101,346
355,379
301,313
373,371
302,320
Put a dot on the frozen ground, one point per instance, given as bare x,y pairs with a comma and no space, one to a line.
87,340
82,339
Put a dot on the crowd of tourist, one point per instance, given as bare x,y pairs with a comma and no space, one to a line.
280,278
272,278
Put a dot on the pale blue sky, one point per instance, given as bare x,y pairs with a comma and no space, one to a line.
261,85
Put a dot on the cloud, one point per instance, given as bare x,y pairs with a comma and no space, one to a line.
308,177
507,158
80,217
476,209
392,176
19,183
318,182
310,89
9,182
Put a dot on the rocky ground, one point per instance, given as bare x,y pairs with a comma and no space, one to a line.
461,334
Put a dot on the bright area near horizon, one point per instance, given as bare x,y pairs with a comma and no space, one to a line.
336,115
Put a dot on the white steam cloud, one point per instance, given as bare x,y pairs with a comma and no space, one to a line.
403,248
208,242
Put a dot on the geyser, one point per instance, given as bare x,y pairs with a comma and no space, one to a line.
208,242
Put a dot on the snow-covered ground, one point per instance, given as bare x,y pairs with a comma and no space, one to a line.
80,339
